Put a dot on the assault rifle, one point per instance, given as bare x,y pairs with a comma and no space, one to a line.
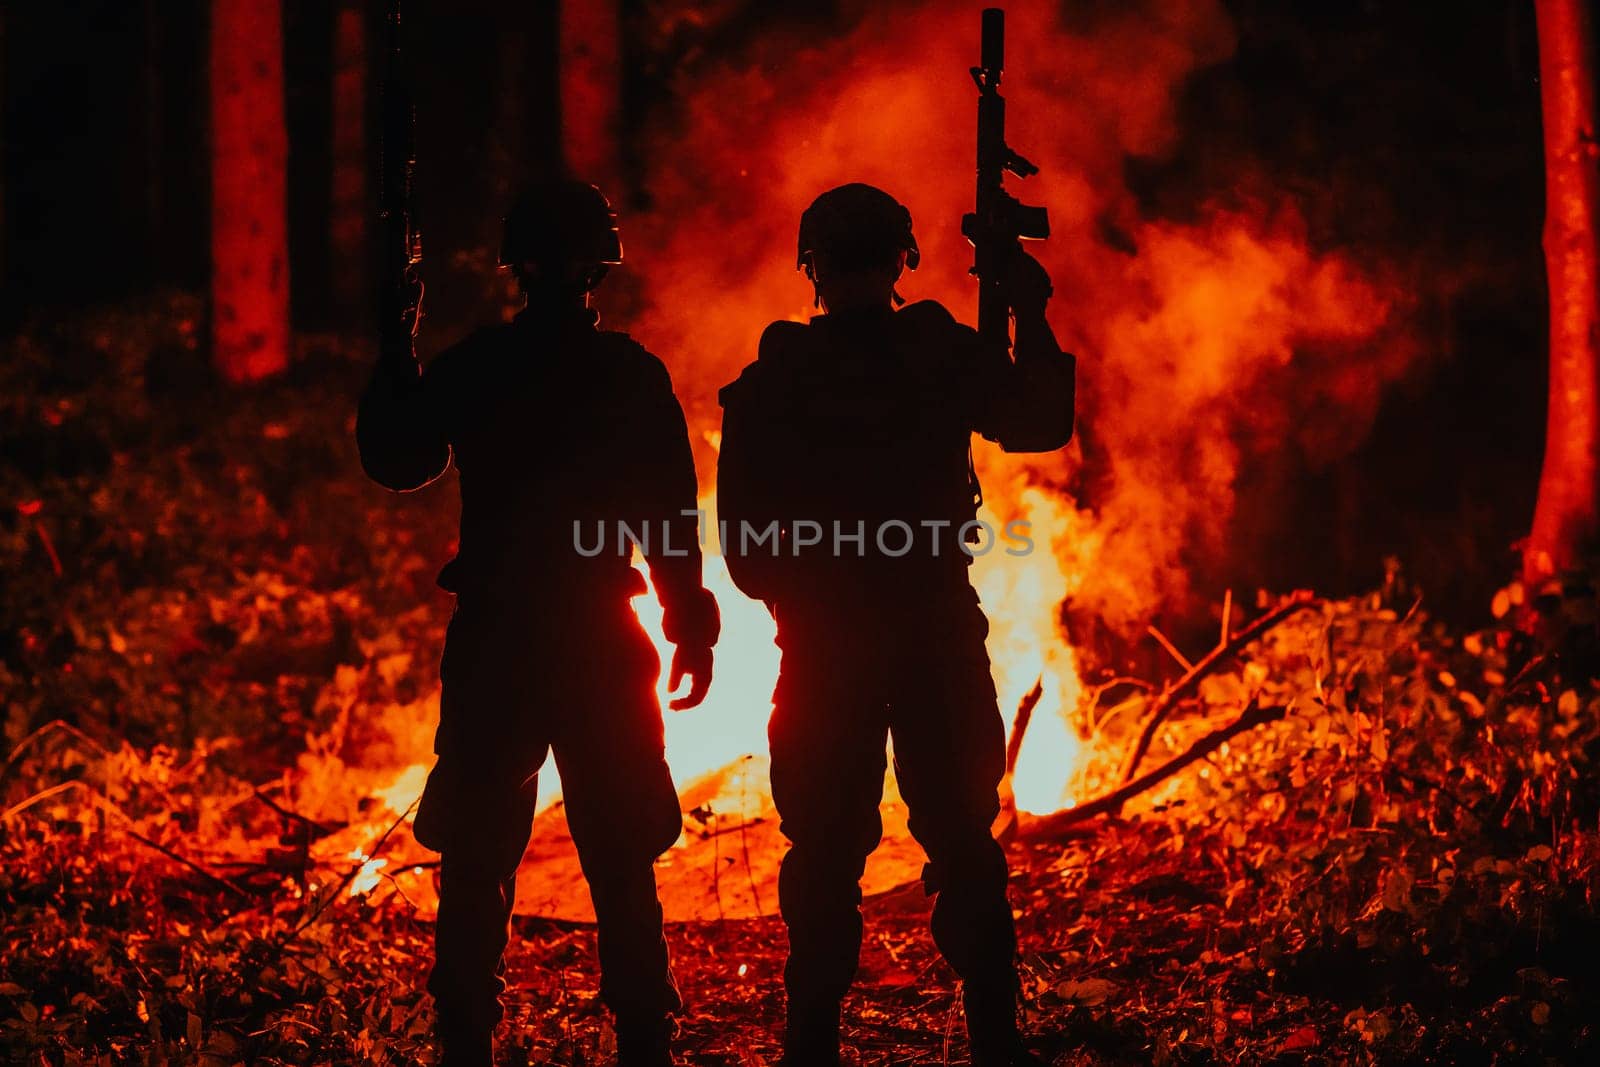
399,244
1000,221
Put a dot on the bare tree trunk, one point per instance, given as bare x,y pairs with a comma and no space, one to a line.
4,246
1566,520
348,207
591,91
249,198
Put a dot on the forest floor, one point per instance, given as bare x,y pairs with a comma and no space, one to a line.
217,644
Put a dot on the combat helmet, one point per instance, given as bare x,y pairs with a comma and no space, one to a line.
855,221
565,221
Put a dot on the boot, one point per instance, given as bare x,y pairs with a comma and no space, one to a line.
811,1035
645,1042
463,1048
992,1029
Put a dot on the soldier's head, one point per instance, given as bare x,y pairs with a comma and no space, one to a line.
559,238
854,243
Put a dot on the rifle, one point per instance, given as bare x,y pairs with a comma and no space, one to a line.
1001,221
399,243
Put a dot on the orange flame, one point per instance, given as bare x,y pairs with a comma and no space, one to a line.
1206,345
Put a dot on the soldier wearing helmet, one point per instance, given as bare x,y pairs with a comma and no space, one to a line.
554,426
849,437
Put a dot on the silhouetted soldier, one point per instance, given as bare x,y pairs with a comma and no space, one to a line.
852,434
554,426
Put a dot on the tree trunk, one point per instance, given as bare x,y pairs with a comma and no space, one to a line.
249,200
4,240
1566,519
348,207
591,91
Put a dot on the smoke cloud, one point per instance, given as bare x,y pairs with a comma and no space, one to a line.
1205,344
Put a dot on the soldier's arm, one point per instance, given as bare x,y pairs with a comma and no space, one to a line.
689,615
748,464
1027,404
400,424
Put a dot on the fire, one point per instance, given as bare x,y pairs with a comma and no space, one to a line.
1209,345
1021,595
369,876
732,723
405,790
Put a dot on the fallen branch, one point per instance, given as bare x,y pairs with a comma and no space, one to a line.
1004,826
1252,717
1019,724
1164,704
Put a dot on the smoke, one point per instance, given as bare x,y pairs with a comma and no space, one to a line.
1205,345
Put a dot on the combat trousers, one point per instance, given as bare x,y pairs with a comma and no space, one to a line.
515,690
848,684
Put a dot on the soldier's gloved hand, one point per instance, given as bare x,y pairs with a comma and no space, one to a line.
409,301
693,662
1027,285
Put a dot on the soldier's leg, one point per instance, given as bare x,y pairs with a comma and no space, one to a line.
483,813
827,742
949,744
477,812
623,812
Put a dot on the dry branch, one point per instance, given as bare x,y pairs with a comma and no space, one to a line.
315,829
1163,705
1019,724
1252,717
350,876
50,727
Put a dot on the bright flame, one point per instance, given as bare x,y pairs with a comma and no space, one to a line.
405,790
1021,595
1225,341
368,877
732,723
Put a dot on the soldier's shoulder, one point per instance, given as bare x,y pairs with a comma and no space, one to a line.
623,347
625,351
783,344
781,347
627,363
741,388
781,336
932,317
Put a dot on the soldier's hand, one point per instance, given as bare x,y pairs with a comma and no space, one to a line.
1027,285
409,299
693,663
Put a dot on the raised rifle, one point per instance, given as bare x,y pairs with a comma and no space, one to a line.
399,243
1001,220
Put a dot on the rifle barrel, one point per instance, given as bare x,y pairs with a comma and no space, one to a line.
993,53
